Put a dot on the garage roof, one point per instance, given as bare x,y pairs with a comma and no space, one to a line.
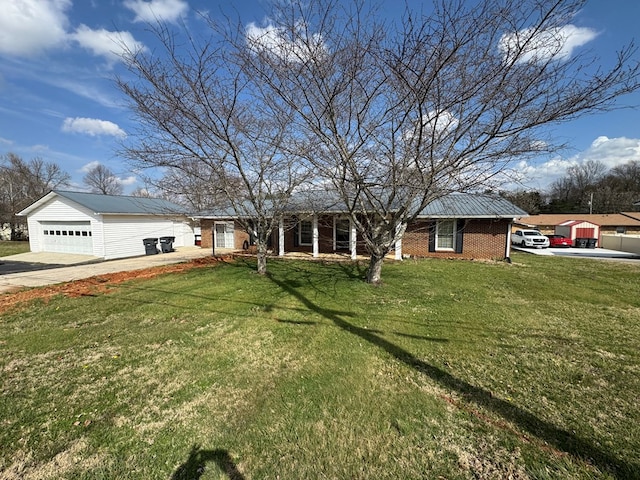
111,204
605,220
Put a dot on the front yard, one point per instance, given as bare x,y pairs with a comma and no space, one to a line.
450,369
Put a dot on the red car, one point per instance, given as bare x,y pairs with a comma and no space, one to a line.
559,241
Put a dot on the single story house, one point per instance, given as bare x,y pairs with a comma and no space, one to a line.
471,226
104,226
608,224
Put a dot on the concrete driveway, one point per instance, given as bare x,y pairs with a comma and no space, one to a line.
601,253
38,269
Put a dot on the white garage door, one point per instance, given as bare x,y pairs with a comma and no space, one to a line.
67,237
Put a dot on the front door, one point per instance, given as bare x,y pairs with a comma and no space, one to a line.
224,235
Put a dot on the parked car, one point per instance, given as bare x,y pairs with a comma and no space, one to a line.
529,238
559,241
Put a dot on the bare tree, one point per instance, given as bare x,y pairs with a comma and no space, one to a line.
100,179
194,185
400,114
609,191
200,115
22,183
390,115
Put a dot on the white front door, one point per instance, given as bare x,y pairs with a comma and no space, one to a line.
224,235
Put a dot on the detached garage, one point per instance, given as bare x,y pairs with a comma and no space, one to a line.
104,226
578,229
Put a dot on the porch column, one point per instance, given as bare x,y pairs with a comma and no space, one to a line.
398,248
281,238
401,228
316,249
353,238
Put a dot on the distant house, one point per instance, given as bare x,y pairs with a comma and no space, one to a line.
457,225
613,223
104,226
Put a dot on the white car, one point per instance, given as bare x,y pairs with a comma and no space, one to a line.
529,238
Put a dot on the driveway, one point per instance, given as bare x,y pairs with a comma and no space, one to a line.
601,253
38,269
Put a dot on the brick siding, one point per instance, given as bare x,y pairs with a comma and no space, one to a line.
482,239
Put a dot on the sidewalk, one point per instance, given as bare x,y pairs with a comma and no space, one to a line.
84,266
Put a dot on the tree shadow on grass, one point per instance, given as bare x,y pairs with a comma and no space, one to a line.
194,467
557,438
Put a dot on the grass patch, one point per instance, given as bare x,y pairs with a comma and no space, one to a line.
12,248
450,369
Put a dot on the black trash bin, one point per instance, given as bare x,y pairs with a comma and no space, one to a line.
150,246
581,243
166,244
591,242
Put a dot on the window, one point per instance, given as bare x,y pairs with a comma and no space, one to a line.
446,235
343,234
621,230
305,232
46,232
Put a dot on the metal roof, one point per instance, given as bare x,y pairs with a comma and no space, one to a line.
471,205
112,204
454,205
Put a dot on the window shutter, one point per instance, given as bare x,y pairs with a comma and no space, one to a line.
459,235
432,236
296,242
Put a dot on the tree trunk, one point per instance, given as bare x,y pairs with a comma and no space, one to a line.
374,274
262,258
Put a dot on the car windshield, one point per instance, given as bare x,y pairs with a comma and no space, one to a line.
532,232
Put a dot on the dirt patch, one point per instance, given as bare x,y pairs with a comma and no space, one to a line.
100,284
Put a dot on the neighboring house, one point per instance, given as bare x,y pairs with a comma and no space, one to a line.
610,224
104,226
458,225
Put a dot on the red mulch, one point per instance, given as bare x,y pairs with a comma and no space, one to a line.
101,284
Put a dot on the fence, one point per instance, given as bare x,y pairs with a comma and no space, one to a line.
622,243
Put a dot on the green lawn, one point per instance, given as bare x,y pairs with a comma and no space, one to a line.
12,248
450,369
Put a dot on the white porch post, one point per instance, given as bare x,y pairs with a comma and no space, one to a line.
353,237
316,250
281,238
399,234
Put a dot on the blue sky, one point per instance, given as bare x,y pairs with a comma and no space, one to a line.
58,100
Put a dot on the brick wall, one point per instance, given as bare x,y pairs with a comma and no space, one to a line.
206,227
482,238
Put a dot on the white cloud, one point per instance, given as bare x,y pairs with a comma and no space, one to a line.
609,151
434,123
101,42
92,127
538,47
278,42
131,180
157,10
87,167
30,27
